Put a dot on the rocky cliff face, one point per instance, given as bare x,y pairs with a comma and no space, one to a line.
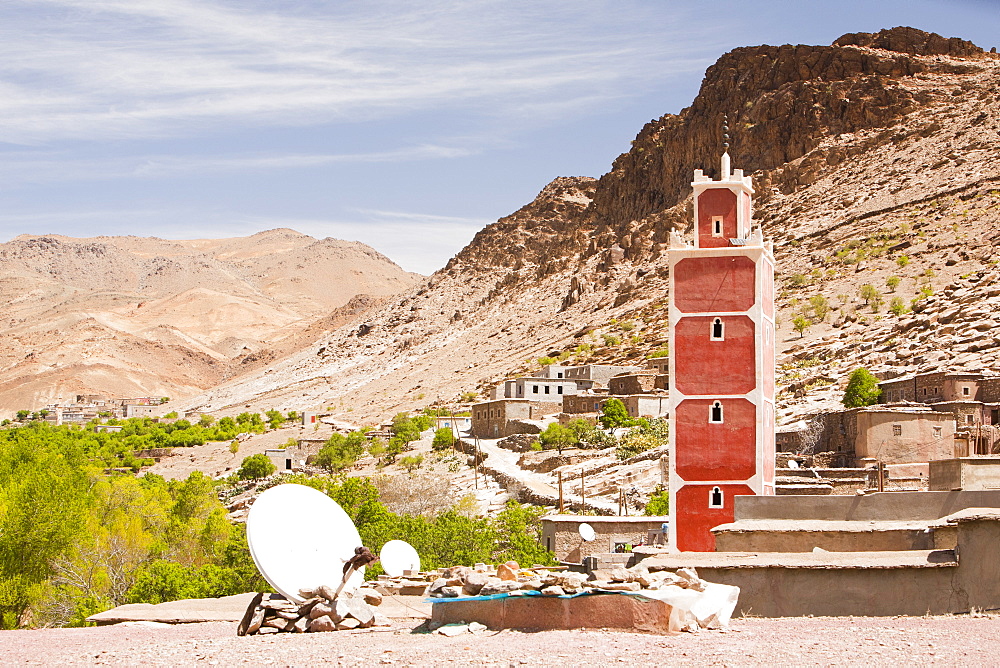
862,153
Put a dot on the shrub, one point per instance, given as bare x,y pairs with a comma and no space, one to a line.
902,261
611,340
868,292
411,462
897,306
659,502
892,282
341,451
820,307
656,354
443,439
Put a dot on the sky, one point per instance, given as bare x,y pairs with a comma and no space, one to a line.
408,126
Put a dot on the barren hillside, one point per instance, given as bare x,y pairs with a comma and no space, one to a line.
132,316
875,148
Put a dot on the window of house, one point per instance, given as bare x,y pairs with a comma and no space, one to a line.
288,464
965,391
717,330
534,389
897,430
597,406
546,389
923,391
969,419
559,390
716,226
559,374
715,498
937,432
715,413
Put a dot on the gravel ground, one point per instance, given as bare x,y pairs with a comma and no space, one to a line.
945,640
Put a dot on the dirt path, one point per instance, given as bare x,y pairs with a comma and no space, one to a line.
894,641
506,461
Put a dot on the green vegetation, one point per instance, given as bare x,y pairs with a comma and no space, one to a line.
411,462
339,452
74,541
611,340
868,292
614,414
447,539
545,361
646,435
902,261
820,307
274,419
800,324
255,467
798,280
656,354
892,282
659,502
557,437
898,307
862,389
468,397
444,438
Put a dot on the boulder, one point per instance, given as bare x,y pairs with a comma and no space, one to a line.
474,582
506,572
321,624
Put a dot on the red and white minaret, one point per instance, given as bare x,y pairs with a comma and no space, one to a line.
721,361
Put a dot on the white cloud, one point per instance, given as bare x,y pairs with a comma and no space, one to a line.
43,167
93,69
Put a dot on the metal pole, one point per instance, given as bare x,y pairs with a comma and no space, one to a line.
561,508
583,492
881,484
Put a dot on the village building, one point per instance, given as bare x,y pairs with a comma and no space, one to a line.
505,417
601,374
616,534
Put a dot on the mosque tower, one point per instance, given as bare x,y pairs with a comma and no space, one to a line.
721,360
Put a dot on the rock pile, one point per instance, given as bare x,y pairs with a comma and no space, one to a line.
323,610
510,578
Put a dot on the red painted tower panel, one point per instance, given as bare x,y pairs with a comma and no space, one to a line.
721,363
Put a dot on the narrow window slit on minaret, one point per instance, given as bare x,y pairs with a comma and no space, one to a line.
716,412
715,498
718,330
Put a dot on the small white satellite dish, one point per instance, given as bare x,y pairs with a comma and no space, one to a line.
301,538
587,532
398,556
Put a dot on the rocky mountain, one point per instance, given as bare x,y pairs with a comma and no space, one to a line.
874,157
137,316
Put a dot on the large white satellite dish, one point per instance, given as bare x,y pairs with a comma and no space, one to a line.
398,556
301,538
587,532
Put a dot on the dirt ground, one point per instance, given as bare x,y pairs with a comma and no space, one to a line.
945,640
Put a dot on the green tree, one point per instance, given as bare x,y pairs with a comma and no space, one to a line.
800,324
411,463
868,292
902,261
234,447
274,419
255,467
22,415
862,389
897,306
557,437
341,451
205,420
443,439
892,282
614,414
